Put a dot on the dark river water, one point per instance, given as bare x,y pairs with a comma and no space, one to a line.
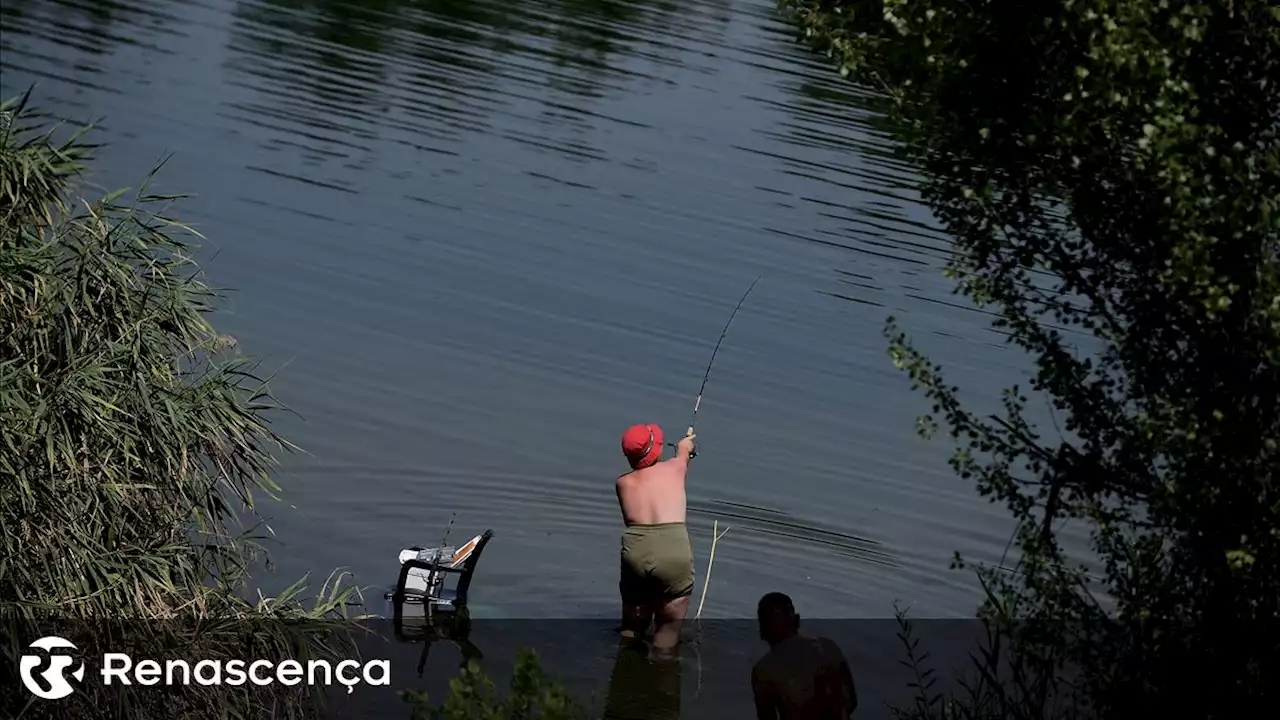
476,240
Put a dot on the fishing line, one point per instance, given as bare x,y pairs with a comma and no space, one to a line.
707,375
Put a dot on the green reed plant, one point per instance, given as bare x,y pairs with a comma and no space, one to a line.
133,445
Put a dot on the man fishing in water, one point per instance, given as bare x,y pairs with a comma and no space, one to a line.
657,558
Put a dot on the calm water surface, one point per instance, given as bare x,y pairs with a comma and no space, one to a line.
478,239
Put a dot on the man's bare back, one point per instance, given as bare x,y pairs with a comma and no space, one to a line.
654,495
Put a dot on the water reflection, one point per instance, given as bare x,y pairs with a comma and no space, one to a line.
643,686
840,140
59,40
334,53
427,73
84,25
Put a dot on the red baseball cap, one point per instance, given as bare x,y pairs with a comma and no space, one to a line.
642,444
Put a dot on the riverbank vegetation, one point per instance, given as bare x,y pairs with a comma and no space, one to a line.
1110,173
133,444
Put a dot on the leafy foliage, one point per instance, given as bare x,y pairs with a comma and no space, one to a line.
130,441
472,696
1110,172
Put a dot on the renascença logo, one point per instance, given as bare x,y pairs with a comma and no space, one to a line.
55,675
120,668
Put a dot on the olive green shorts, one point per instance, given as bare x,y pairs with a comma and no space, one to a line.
657,563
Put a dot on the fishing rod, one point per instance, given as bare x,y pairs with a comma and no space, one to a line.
707,375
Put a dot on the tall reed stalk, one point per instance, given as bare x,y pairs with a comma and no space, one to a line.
711,558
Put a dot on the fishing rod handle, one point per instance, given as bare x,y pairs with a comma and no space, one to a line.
676,446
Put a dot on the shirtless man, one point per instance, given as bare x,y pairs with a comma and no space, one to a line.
657,559
802,677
